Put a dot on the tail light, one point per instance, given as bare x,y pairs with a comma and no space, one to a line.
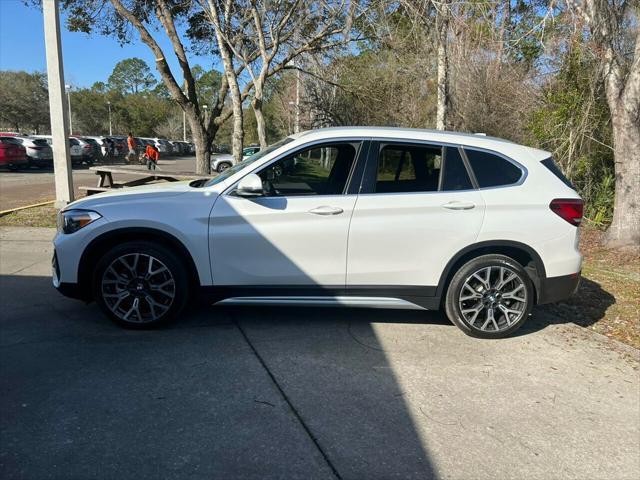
569,209
87,147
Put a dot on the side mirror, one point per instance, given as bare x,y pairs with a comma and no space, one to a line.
250,186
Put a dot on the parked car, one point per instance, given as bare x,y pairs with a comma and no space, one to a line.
179,148
12,154
100,141
38,150
75,150
91,149
221,161
479,226
120,144
250,150
163,146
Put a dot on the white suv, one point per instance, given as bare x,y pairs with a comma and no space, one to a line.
382,217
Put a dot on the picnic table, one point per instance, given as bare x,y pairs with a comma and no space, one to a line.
106,183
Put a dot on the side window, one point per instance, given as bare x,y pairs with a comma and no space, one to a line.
408,168
321,170
491,170
455,176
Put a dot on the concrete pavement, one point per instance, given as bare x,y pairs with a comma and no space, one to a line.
300,393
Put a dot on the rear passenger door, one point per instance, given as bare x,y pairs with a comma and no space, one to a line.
416,208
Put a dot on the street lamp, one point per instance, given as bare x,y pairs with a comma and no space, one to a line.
205,106
109,106
68,89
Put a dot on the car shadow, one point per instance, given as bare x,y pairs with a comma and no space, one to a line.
220,368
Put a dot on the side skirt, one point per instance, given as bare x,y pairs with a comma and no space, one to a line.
394,297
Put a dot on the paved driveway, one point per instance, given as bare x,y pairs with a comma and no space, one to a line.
300,393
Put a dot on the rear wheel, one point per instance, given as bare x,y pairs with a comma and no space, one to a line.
490,297
141,285
223,166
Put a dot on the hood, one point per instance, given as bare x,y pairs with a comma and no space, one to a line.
133,194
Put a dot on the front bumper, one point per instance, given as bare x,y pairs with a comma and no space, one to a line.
71,290
554,289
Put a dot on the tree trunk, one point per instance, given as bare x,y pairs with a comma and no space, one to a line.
625,228
261,128
203,149
236,99
442,107
201,139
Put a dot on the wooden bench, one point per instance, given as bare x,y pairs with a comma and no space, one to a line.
106,182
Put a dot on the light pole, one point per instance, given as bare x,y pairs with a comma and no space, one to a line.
68,89
109,106
206,110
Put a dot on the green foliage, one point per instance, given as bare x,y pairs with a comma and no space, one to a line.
131,75
24,101
574,124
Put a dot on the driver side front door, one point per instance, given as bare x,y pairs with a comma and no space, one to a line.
296,233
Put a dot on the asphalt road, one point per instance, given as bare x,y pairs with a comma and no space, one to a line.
300,393
29,186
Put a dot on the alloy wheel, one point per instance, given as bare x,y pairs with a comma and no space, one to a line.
138,288
493,298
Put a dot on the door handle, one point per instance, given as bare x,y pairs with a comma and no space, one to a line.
326,210
459,205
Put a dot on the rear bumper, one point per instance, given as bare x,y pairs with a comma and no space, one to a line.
554,289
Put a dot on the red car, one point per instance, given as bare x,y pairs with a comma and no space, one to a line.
12,154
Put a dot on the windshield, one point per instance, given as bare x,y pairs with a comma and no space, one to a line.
246,162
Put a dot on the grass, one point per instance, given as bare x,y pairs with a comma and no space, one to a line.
44,216
608,300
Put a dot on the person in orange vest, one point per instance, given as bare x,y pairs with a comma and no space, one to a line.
131,143
152,155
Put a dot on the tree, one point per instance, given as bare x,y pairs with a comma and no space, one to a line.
131,75
150,20
171,128
267,37
24,100
437,12
620,74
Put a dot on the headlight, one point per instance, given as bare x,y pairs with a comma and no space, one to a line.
70,221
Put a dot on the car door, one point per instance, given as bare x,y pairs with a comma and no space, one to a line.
296,233
417,207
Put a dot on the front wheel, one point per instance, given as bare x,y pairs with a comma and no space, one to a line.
490,297
140,284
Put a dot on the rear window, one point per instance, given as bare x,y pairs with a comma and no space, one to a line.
40,142
551,165
492,170
73,141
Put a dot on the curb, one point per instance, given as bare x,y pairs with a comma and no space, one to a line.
11,210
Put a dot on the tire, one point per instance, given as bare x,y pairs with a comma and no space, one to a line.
223,166
161,296
470,305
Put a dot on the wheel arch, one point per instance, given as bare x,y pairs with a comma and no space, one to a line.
520,252
105,241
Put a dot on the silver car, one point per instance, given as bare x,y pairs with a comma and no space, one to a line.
39,152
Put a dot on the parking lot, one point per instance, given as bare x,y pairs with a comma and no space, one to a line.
27,186
300,393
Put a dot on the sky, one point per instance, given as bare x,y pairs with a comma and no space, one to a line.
87,58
